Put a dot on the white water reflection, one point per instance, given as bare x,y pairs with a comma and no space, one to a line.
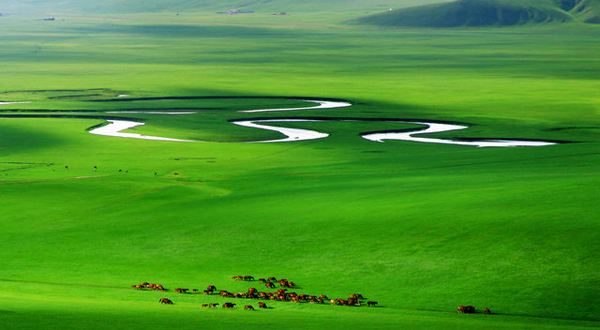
292,134
115,127
322,105
438,128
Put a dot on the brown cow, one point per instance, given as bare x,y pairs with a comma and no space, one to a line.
248,308
180,290
228,305
465,309
165,301
487,311
262,305
204,305
211,288
213,305
372,304
270,285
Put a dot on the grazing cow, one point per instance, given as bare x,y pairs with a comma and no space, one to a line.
165,301
270,285
263,295
211,288
228,305
262,305
252,290
272,279
159,288
372,304
145,283
213,305
204,305
248,278
224,293
195,290
248,308
180,290
262,280
323,297
487,311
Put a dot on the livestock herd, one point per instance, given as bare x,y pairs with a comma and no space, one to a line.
282,295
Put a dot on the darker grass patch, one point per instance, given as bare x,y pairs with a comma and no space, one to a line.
558,129
189,31
175,98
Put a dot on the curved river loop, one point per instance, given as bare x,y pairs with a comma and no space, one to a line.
115,128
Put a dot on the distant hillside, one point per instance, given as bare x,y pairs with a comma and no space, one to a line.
57,7
479,13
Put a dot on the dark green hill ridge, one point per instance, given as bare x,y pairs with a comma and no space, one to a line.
480,13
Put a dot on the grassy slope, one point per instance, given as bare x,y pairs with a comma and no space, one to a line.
476,13
416,227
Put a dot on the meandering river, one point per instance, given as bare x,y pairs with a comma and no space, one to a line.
115,128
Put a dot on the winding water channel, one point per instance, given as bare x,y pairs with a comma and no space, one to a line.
115,128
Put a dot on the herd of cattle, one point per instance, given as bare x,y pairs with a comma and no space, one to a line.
281,294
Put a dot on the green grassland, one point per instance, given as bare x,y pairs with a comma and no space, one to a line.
420,228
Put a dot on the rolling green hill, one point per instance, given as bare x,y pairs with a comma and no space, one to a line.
476,13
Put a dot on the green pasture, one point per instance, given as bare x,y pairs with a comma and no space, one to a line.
420,228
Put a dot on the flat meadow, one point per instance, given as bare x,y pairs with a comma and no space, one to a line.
419,228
